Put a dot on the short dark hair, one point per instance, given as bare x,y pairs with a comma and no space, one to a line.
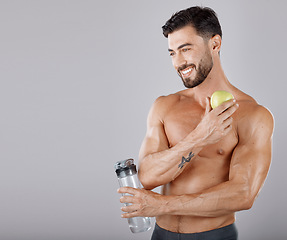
203,19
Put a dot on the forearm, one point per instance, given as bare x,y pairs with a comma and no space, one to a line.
164,166
223,199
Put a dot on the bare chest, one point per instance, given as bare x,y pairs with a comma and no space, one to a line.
211,165
180,121
184,118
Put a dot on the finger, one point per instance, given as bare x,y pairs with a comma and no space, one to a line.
130,214
227,129
129,190
227,122
208,106
127,199
224,106
130,208
228,112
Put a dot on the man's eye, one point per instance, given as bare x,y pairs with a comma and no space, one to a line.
185,49
171,54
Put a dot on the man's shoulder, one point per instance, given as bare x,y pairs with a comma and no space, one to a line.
252,116
249,108
167,100
172,98
163,104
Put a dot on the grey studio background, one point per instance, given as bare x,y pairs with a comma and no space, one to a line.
77,81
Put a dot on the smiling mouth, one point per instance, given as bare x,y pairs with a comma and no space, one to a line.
186,72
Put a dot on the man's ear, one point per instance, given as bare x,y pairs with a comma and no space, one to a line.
216,43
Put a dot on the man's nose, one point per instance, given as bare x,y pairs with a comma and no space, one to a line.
179,61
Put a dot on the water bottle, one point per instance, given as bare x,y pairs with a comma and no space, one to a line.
127,177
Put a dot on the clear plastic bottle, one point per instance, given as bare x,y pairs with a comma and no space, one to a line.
127,177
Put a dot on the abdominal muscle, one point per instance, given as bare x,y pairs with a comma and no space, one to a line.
201,173
187,224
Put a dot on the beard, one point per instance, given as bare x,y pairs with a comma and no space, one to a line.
204,67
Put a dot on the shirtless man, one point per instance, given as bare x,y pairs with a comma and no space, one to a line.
211,163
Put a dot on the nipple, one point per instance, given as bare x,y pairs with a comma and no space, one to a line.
220,151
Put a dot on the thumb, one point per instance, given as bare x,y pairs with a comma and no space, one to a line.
208,106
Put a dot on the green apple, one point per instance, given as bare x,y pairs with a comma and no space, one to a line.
218,97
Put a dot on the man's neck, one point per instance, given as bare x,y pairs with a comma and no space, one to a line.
216,80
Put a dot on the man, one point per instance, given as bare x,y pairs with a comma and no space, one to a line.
211,163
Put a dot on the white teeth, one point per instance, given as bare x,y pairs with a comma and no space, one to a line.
187,71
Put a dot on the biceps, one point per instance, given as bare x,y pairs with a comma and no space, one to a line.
154,141
250,166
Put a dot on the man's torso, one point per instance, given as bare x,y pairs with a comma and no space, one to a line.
207,169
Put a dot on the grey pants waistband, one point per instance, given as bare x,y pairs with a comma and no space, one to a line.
225,233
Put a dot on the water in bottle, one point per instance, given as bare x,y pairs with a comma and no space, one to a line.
127,177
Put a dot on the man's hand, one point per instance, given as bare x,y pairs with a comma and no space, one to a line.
142,203
216,123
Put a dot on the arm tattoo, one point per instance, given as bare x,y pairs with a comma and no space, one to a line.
185,160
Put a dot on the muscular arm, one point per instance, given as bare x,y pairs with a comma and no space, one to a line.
159,164
248,170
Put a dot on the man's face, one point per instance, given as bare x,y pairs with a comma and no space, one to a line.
190,56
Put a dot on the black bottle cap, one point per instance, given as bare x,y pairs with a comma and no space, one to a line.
125,168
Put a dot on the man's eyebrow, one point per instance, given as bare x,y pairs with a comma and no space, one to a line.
181,46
